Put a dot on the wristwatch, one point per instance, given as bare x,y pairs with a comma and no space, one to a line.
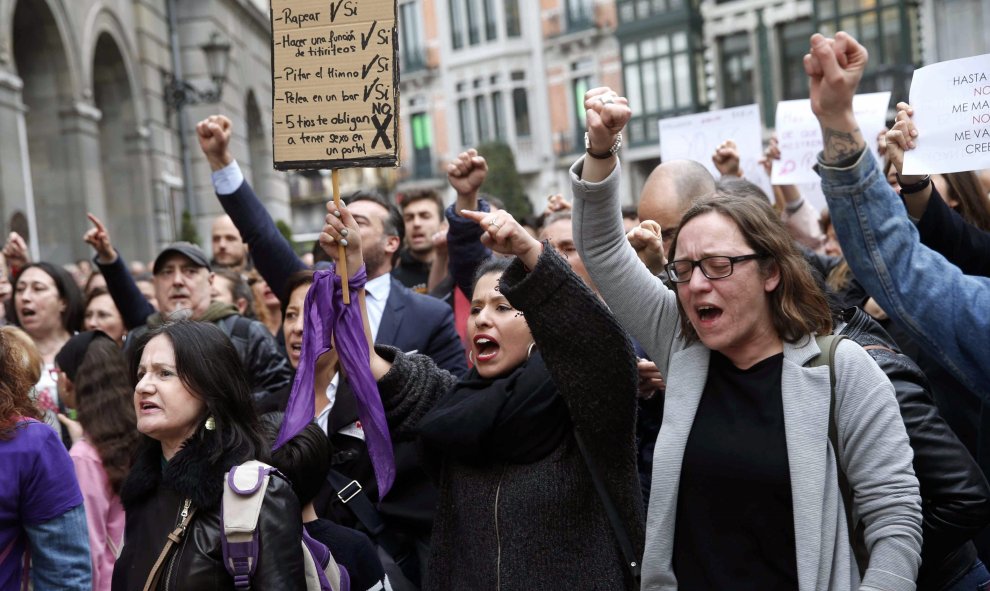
611,151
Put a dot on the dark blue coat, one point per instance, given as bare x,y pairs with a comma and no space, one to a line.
411,321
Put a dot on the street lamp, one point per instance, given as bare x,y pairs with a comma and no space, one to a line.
179,93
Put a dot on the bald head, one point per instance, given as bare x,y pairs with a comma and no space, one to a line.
670,190
228,249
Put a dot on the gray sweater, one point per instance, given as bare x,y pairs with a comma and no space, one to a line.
873,445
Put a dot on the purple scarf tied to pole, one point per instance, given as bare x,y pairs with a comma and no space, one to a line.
327,316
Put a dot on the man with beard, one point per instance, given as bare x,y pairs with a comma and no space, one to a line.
229,249
422,213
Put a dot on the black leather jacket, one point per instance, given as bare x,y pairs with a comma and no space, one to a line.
153,500
955,495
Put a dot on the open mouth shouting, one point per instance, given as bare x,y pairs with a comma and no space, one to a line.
707,314
146,407
294,348
28,313
486,348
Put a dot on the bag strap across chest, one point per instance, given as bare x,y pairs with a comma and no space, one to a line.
243,494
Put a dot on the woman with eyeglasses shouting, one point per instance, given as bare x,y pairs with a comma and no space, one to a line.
760,426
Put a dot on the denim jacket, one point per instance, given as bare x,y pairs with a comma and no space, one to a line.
944,310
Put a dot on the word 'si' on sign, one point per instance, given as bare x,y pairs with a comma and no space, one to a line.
335,83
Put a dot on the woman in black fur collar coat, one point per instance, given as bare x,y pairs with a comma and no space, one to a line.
518,507
194,410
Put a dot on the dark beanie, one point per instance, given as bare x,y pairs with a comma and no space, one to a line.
72,353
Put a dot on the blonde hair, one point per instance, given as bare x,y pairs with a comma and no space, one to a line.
29,359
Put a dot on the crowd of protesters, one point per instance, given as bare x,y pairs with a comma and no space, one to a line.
715,390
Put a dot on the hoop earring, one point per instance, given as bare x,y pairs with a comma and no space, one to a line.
529,352
471,357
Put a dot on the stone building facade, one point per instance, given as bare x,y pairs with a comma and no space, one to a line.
85,126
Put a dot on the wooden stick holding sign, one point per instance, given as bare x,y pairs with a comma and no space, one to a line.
341,255
335,86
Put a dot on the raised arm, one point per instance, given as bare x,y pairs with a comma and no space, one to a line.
134,307
641,302
939,226
466,174
409,384
943,309
272,254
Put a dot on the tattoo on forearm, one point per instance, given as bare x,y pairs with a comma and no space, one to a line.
840,145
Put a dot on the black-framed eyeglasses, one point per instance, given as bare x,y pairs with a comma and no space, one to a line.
713,267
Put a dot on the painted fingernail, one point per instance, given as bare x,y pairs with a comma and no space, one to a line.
343,232
343,241
336,213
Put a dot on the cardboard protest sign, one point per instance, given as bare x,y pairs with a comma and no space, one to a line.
800,137
695,137
335,83
951,103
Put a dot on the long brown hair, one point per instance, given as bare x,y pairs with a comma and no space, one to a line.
20,368
104,398
974,206
797,305
840,275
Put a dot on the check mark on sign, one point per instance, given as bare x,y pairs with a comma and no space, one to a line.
366,69
369,88
366,39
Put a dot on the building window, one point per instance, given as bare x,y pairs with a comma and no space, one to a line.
659,77
473,26
579,86
631,11
793,40
422,135
464,119
520,108
473,22
456,23
498,116
491,26
481,115
579,14
737,70
885,28
512,22
411,47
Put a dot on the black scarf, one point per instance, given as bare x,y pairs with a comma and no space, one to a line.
518,418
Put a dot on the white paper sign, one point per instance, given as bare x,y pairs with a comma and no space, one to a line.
695,137
800,136
951,103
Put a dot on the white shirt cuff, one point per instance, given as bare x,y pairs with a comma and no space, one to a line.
228,179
